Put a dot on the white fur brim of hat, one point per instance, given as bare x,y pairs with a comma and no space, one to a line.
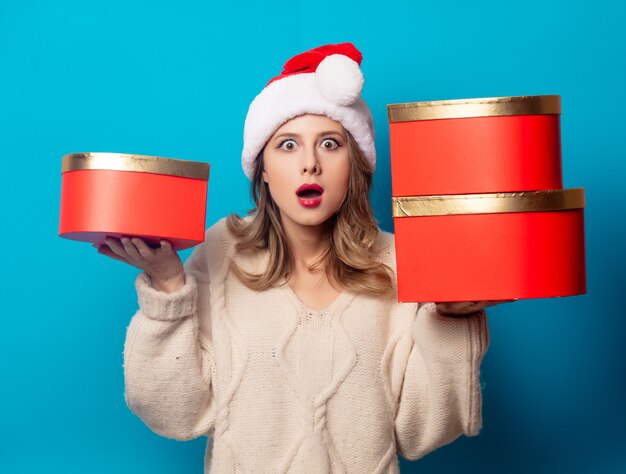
333,90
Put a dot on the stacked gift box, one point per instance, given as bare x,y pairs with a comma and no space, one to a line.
480,212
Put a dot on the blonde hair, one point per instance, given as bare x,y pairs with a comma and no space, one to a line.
352,230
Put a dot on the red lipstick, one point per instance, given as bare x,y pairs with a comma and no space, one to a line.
310,194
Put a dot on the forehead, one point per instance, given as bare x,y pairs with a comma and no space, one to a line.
309,124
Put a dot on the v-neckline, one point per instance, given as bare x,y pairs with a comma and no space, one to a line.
295,299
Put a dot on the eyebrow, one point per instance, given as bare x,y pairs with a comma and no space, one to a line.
295,135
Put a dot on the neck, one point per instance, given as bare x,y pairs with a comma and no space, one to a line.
306,242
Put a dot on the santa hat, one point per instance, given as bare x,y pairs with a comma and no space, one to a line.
326,80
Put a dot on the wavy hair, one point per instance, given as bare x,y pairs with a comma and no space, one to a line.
352,230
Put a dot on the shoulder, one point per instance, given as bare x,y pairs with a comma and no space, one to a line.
386,248
217,238
218,233
211,254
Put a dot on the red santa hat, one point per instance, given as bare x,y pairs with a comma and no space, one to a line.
326,80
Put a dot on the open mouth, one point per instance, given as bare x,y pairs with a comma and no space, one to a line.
309,193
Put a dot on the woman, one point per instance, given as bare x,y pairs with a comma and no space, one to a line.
281,338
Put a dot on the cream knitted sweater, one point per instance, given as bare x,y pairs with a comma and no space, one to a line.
280,388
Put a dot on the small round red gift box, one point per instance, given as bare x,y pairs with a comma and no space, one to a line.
479,209
499,144
113,194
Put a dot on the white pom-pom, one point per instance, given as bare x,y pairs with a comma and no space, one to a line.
339,79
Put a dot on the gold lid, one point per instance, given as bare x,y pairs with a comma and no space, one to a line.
141,163
489,203
485,107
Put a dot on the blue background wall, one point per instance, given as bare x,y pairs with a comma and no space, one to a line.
175,79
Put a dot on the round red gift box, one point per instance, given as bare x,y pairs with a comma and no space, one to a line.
498,144
113,194
495,246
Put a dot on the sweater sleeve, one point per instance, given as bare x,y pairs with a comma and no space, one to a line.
440,398
168,355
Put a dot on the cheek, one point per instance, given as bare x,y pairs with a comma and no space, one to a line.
270,170
278,181
341,173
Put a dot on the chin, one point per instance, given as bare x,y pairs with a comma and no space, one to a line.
313,219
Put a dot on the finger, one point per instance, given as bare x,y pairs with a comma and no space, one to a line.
457,307
143,248
166,246
104,250
116,247
468,306
131,250
495,302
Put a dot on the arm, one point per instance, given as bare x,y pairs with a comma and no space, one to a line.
440,397
168,356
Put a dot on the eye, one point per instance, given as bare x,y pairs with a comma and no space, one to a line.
287,145
330,144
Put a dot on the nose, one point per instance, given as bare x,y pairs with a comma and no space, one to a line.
310,163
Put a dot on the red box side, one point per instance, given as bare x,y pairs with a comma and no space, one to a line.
490,256
476,155
96,203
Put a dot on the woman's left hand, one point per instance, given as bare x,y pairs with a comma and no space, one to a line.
465,308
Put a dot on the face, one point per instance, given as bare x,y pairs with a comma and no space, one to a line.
307,150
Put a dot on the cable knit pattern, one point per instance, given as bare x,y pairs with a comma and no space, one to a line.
280,388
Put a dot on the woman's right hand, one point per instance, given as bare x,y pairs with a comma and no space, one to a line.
162,264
